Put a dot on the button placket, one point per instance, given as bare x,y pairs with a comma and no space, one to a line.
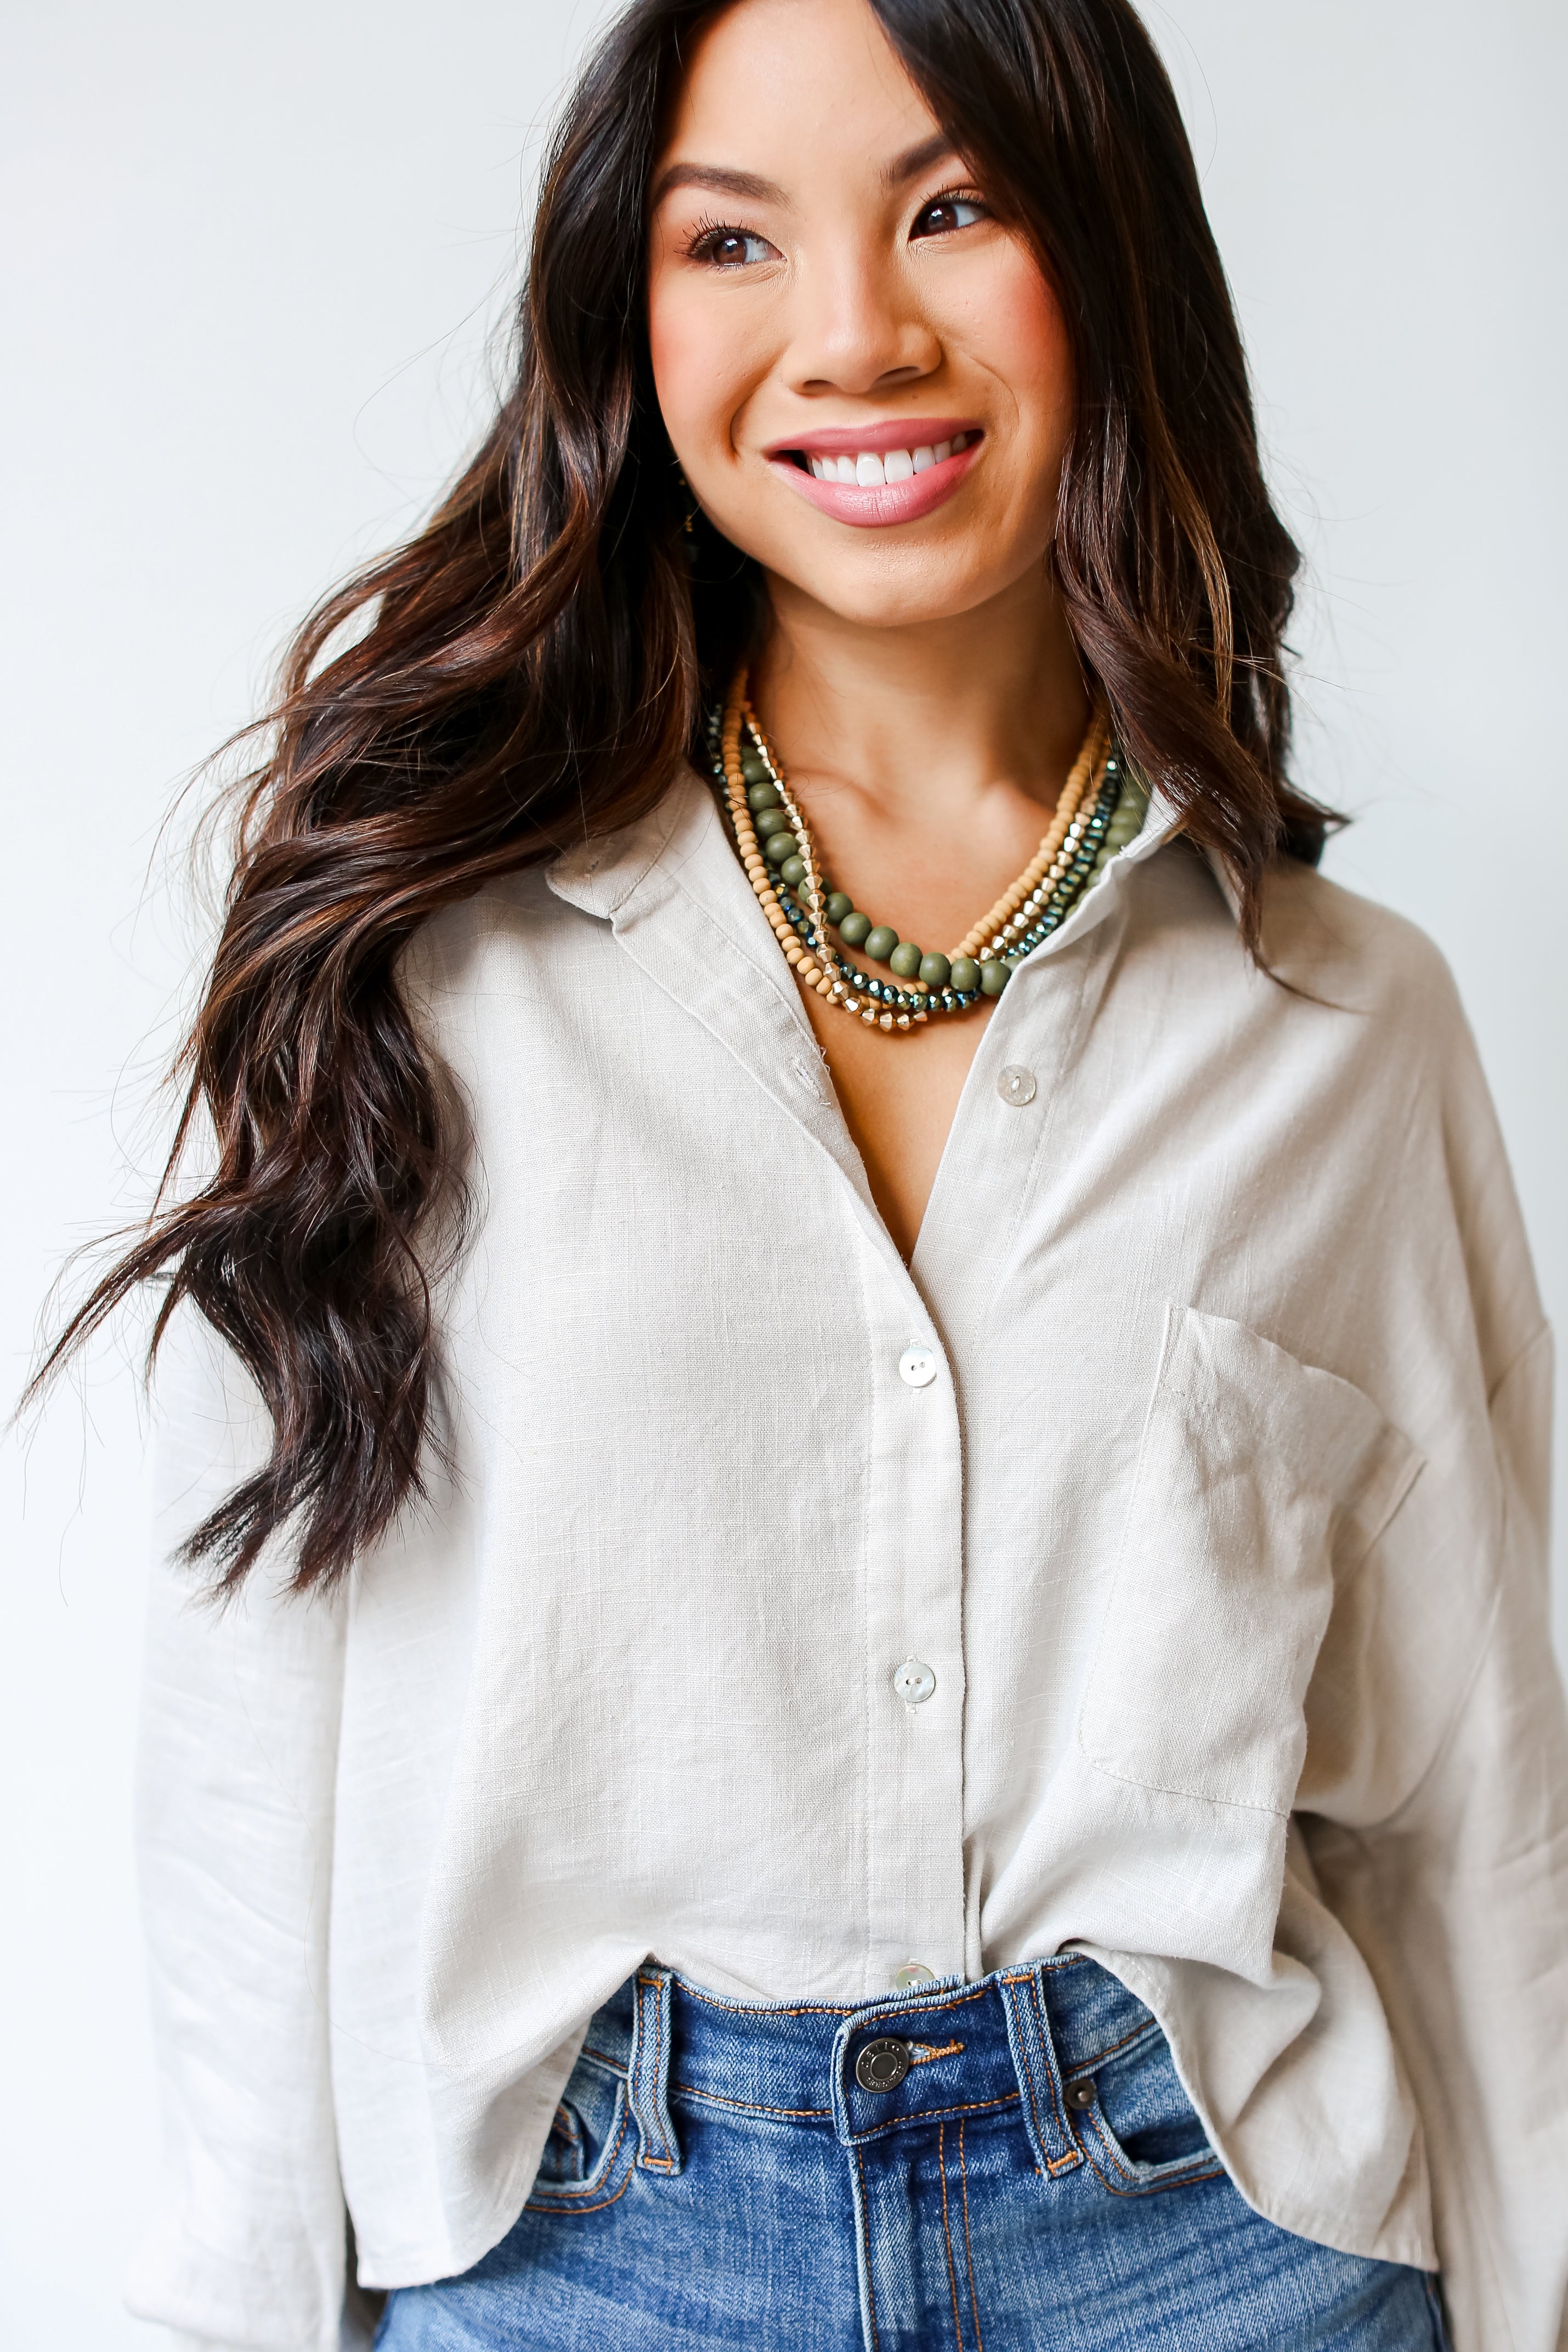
914,1845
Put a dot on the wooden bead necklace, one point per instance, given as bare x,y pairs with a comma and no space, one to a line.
1100,811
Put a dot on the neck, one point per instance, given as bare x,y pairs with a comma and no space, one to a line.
924,723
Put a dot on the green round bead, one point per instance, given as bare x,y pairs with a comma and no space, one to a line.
762,796
965,975
855,928
905,961
793,871
994,978
879,943
779,846
936,970
773,820
837,904
753,766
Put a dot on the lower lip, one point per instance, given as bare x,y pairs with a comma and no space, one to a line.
880,503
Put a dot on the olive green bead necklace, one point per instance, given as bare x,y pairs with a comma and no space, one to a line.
1101,809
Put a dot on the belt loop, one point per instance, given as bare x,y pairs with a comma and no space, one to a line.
1056,2150
648,2072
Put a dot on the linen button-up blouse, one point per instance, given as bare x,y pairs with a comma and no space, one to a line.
1153,1565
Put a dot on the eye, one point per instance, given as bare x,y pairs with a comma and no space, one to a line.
942,214
722,248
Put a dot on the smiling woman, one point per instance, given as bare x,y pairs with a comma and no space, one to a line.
884,1680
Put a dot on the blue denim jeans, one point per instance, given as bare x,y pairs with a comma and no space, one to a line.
1008,2165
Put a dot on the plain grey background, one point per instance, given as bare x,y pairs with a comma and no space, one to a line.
250,259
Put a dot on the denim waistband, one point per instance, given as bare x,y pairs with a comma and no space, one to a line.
1026,2038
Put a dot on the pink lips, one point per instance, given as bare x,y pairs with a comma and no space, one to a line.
876,505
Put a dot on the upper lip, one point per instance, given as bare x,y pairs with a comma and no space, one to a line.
895,432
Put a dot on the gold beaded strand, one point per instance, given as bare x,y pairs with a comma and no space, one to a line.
813,964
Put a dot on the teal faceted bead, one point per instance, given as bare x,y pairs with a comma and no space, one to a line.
855,928
965,975
762,796
879,943
777,847
753,766
934,971
994,977
837,904
772,820
793,871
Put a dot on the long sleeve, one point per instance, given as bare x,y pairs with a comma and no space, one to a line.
234,1826
1459,1903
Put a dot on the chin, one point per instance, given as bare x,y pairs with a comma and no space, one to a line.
925,587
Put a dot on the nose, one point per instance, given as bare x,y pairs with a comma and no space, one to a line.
857,329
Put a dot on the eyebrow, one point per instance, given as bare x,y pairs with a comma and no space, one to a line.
714,180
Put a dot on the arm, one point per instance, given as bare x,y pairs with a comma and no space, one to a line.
1459,1901
238,1756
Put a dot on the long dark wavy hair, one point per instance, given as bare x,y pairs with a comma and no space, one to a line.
533,665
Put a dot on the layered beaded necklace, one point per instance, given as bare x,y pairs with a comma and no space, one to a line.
1102,808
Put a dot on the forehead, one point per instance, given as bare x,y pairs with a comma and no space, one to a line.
797,84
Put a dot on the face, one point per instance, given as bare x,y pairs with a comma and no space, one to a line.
864,374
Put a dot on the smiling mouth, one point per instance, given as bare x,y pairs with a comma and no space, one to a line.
869,469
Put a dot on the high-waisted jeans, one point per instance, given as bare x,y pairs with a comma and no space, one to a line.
1008,2166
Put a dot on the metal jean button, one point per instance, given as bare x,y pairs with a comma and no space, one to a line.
883,2065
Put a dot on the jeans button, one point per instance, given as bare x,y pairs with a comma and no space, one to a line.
883,2065
1080,2094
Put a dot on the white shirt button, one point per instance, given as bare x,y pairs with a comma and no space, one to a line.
914,1681
910,1973
1016,1086
917,1366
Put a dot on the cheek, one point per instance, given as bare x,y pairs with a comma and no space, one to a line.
1019,334
704,361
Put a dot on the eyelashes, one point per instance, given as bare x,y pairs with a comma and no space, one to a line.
725,245
728,245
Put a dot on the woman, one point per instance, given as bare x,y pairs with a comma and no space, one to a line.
859,1373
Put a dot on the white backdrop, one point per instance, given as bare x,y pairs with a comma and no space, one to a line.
251,256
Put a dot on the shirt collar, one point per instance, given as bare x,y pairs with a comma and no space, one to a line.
601,876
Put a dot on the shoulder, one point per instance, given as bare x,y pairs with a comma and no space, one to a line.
1348,954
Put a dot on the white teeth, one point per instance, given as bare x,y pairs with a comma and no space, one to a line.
960,441
898,465
943,450
868,471
925,458
846,467
816,466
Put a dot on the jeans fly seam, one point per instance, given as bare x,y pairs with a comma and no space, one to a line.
948,2233
968,2249
864,2226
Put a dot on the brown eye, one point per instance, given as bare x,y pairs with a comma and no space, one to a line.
730,249
945,214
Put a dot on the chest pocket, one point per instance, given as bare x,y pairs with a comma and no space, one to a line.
1260,1483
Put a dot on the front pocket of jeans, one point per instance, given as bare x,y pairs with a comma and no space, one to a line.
612,2144
1258,1479
1141,2131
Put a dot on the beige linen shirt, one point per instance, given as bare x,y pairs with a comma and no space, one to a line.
1199,1455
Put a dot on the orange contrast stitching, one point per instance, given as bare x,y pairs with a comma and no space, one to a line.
921,2054
948,2234
968,2249
750,2106
573,2205
1062,2163
1197,2169
865,2240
